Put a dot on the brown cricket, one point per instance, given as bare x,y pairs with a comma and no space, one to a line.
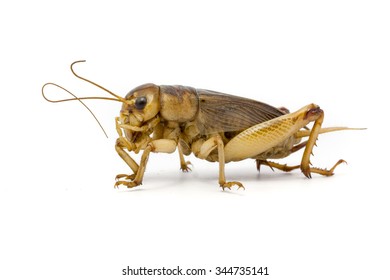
214,126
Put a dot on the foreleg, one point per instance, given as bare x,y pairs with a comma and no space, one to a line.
156,146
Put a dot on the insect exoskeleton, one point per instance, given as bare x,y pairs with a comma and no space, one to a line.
213,126
173,103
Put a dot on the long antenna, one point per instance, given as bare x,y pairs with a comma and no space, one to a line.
93,83
117,97
75,98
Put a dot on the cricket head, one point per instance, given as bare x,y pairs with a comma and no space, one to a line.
141,105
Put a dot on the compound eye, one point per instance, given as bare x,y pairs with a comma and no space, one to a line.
140,102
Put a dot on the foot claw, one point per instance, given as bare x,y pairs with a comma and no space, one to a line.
184,167
125,177
230,184
128,184
306,170
340,161
258,164
127,180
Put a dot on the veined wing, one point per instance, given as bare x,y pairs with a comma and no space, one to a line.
220,112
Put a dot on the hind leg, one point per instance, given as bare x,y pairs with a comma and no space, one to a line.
288,168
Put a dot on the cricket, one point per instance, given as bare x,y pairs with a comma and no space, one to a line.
213,126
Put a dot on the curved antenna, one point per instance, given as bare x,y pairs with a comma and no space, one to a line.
93,83
77,98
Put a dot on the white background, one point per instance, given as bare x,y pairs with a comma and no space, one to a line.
61,218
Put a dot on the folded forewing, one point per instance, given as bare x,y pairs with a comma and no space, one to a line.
220,112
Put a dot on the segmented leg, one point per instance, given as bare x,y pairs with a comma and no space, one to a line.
131,181
137,179
183,163
287,168
272,165
298,147
318,116
120,144
326,172
221,158
215,142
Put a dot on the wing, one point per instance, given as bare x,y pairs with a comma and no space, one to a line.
220,112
